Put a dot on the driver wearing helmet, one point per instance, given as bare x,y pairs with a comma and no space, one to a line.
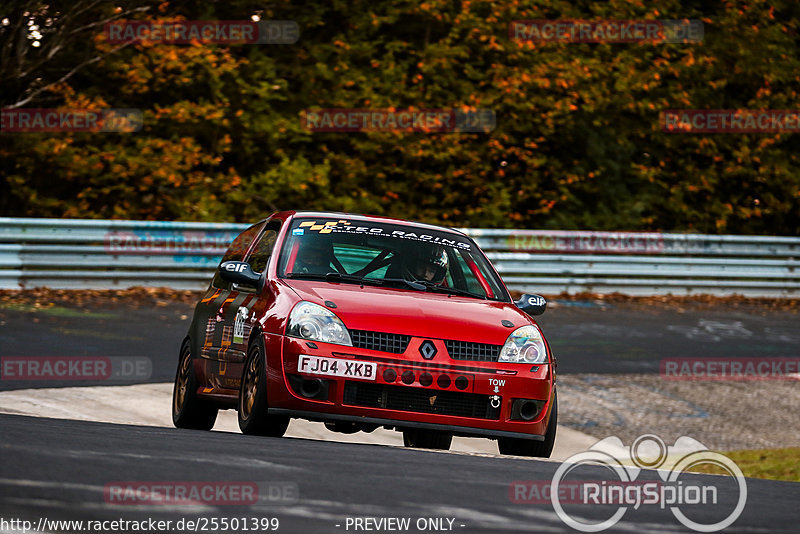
428,264
314,257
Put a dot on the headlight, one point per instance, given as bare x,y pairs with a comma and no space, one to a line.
524,345
311,321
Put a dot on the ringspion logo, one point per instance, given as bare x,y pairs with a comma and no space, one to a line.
627,492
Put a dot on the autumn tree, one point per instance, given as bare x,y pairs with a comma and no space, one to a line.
578,142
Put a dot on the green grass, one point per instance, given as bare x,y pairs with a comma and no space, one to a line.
98,334
56,311
774,464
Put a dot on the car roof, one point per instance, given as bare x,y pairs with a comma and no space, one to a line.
368,218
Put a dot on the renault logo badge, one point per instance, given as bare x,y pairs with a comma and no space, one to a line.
427,349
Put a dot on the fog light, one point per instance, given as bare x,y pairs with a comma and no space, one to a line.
462,382
408,377
311,388
390,375
528,411
443,381
426,379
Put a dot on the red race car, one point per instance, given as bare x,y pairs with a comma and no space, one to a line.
362,322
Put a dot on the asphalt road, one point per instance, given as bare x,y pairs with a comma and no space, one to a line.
64,469
60,469
586,337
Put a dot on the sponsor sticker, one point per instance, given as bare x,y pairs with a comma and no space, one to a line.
343,226
238,325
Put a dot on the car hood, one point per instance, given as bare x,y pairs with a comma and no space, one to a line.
414,313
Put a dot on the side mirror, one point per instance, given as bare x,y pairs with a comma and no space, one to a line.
532,304
239,272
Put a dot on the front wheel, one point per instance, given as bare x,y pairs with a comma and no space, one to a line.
427,439
188,410
528,447
252,405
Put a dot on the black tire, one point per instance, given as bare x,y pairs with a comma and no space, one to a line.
252,404
188,410
528,447
427,439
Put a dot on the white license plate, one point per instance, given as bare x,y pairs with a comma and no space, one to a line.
319,365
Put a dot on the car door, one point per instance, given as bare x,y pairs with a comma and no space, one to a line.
212,338
235,316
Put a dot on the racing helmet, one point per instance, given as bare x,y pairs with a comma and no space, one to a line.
315,254
426,263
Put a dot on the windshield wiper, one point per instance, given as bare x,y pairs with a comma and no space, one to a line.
409,283
333,276
306,276
343,277
430,286
372,281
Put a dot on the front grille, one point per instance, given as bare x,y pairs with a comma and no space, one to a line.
419,400
381,341
465,350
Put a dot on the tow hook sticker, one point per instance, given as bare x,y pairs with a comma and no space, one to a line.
495,400
497,384
238,325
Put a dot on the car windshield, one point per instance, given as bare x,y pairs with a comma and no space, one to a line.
375,253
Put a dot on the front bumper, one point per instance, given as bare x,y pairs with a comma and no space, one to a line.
480,398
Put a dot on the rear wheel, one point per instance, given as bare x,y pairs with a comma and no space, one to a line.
252,404
528,447
427,439
188,410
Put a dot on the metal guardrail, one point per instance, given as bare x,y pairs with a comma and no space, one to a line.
102,254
